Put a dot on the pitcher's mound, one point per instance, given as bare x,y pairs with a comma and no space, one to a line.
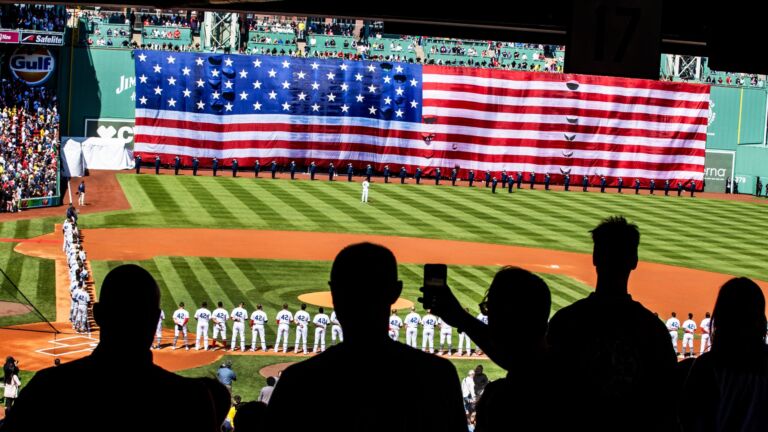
273,370
12,309
323,299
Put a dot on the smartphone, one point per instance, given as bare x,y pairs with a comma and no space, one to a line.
435,277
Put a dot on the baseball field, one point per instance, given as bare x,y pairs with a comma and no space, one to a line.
272,241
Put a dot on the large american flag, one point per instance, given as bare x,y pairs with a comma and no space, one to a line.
336,111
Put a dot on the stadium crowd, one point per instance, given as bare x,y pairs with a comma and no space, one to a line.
38,17
29,144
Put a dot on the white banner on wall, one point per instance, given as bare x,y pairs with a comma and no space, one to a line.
80,154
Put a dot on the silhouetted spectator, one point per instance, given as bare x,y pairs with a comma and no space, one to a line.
250,417
481,380
613,355
266,391
729,384
11,382
119,369
364,284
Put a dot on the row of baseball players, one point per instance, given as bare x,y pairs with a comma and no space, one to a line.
258,320
78,275
689,329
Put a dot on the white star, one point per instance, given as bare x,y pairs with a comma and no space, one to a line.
399,91
399,113
359,98
171,60
387,100
414,82
315,86
330,76
301,74
200,104
215,95
344,108
257,63
143,79
371,68
272,95
343,67
331,97
171,102
243,73
285,64
243,96
372,110
171,81
187,93
302,96
228,61
399,69
257,106
215,72
315,65
158,90
228,84
143,100
315,107
344,87
358,77
256,84
286,84
372,88
272,73
157,68
199,61
142,57
186,71
387,79
200,82
286,106
228,106
414,104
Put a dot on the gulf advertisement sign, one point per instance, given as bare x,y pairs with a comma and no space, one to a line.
34,66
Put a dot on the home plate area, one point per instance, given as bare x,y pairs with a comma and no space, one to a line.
69,345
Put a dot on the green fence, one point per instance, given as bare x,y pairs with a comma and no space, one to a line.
737,117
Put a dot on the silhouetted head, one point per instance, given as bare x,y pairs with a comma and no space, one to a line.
615,247
364,285
251,416
271,381
690,315
674,315
707,315
303,306
738,319
221,304
220,397
128,291
479,369
518,304
320,310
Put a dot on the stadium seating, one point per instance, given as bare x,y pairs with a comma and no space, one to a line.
389,47
106,34
333,43
264,42
175,36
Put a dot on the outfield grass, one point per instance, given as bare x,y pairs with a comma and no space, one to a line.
249,382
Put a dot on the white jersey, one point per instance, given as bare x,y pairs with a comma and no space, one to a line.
334,320
203,315
180,317
284,317
82,297
705,326
483,318
429,322
259,317
689,326
673,324
412,320
366,185
302,318
444,327
160,320
239,315
321,320
220,316
395,323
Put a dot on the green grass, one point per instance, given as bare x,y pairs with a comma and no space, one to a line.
35,277
249,382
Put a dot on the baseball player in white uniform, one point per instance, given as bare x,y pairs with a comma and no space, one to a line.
320,321
673,325
284,319
395,324
366,185
258,321
302,319
159,331
412,321
220,317
464,342
446,336
81,313
484,318
689,329
428,323
706,342
202,315
180,319
336,330
239,315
